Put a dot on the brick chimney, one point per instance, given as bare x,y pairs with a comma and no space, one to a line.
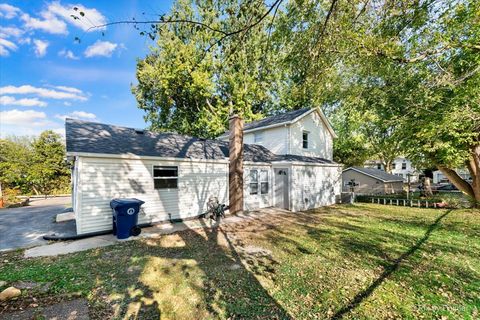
235,191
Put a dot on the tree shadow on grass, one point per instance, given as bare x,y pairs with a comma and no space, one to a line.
203,277
389,270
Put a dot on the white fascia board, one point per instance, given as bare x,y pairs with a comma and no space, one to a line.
300,163
130,156
268,127
253,163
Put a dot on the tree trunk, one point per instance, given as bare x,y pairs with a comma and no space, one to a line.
428,187
387,165
35,190
473,166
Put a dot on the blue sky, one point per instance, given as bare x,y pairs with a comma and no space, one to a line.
45,75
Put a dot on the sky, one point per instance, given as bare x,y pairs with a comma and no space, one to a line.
45,75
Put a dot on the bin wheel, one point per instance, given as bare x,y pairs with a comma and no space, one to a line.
135,231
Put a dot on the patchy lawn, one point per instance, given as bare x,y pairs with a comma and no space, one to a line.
362,261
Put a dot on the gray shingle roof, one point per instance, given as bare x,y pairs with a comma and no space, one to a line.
272,120
92,137
376,173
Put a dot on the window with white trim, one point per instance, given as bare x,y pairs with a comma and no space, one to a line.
165,177
404,166
253,181
259,178
258,137
305,139
264,182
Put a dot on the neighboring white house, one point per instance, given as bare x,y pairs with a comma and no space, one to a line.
438,176
287,163
401,167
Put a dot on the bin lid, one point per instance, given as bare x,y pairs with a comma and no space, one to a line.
125,202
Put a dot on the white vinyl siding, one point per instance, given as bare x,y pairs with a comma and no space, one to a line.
314,186
258,200
274,139
320,140
102,179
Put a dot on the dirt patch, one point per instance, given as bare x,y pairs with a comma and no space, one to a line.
69,310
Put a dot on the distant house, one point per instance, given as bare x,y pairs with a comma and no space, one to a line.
439,177
371,181
286,162
401,167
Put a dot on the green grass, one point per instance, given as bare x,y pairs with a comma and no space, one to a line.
354,262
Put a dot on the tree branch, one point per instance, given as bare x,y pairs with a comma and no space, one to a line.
460,183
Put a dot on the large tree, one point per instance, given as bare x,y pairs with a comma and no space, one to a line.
193,77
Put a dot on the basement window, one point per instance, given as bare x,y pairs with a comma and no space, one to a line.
165,177
305,139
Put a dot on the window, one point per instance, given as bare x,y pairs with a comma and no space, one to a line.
404,166
263,182
305,139
253,182
259,177
165,177
258,137
393,165
379,166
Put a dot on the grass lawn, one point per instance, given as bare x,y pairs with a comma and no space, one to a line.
354,262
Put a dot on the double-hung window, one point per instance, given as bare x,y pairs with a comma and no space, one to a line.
404,166
263,181
258,137
305,139
259,177
165,177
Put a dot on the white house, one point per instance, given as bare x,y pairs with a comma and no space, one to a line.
401,167
287,163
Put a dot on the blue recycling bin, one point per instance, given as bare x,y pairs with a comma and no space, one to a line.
125,217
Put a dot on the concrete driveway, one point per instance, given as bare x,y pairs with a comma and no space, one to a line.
24,227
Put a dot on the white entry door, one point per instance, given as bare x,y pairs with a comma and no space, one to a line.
281,188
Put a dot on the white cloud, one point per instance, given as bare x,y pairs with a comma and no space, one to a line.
40,47
28,122
50,23
55,17
43,92
17,117
68,54
68,104
100,48
6,32
26,102
8,12
26,40
6,46
77,115
92,17
69,89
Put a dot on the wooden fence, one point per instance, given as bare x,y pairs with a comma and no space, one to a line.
402,202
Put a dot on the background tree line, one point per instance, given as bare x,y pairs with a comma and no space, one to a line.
34,165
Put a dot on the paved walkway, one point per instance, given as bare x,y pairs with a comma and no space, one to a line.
24,227
60,248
